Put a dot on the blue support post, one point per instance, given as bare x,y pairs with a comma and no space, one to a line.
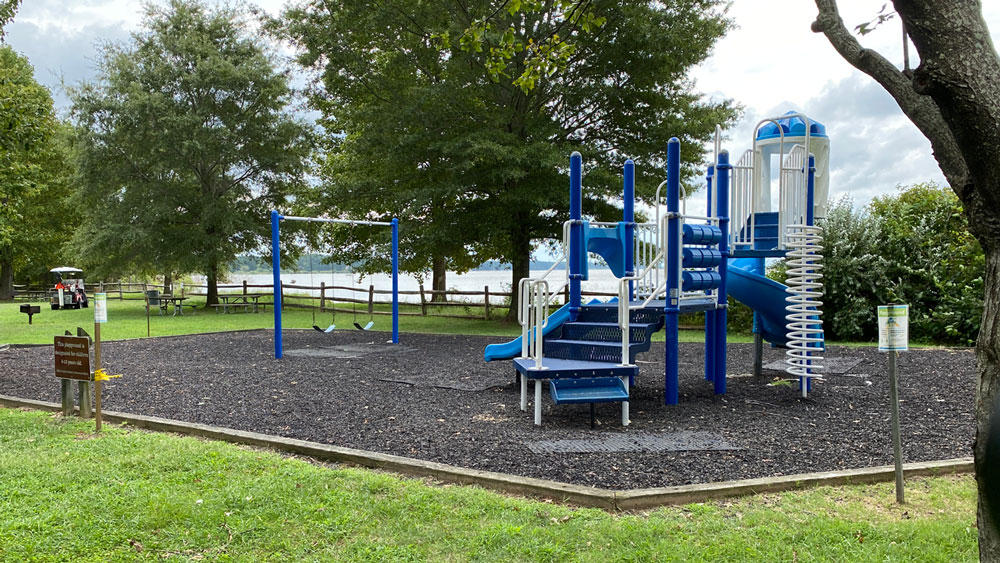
722,171
395,280
575,233
709,315
628,216
671,389
811,192
276,272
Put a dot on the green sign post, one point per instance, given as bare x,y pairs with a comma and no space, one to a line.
893,337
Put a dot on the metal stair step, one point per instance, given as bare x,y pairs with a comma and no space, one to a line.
604,331
588,390
556,368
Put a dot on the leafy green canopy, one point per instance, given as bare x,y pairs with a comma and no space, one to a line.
186,143
47,218
474,165
34,218
912,248
27,123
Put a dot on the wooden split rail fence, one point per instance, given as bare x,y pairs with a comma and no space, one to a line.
306,297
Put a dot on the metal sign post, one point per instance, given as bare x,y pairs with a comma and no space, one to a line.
100,317
893,337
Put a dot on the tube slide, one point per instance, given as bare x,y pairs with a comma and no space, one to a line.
748,285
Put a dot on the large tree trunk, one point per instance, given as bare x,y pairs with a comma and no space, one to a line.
6,277
439,277
521,261
988,356
212,283
954,99
168,282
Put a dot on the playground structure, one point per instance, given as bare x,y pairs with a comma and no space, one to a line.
276,219
684,263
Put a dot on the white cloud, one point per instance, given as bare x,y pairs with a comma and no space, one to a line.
771,63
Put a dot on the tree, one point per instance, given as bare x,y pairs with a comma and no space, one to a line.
186,143
47,218
953,97
7,10
27,124
477,162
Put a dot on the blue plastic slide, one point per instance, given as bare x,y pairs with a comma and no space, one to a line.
512,349
748,285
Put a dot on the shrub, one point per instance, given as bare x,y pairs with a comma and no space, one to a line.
912,247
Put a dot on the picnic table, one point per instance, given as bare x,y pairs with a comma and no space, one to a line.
234,302
165,301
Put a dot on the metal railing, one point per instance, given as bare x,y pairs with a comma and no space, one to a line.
647,277
533,305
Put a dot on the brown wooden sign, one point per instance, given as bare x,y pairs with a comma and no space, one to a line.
73,357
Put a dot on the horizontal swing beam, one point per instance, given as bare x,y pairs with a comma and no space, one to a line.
337,221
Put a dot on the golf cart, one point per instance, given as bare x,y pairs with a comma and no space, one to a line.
68,291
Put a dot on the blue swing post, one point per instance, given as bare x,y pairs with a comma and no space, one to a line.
671,389
276,278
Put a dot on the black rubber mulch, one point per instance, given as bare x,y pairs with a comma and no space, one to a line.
434,398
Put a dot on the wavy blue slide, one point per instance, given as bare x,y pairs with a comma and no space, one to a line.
748,285
512,349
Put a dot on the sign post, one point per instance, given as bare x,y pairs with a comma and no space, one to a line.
100,316
893,337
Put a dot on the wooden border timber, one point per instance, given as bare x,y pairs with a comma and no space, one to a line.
607,499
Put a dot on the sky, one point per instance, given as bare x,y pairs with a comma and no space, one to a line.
771,63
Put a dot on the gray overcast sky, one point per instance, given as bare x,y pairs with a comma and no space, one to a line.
771,63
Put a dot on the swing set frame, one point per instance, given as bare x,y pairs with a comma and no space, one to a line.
277,218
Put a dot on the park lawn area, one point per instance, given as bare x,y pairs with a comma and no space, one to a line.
127,319
126,494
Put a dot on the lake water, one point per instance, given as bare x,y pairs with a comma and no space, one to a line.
601,280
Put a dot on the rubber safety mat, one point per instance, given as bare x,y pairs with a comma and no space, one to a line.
684,440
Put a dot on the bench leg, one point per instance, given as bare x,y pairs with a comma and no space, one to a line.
538,402
524,392
625,419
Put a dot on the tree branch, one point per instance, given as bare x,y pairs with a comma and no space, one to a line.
922,110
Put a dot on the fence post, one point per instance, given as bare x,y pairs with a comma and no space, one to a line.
121,296
371,299
281,291
423,301
486,303
182,291
100,287
244,289
322,296
566,295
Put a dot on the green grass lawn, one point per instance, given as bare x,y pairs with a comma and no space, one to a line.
127,319
68,495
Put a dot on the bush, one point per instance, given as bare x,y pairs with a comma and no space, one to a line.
911,248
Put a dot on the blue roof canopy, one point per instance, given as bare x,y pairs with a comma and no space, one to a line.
791,127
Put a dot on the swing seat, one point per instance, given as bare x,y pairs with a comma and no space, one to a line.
327,329
366,327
